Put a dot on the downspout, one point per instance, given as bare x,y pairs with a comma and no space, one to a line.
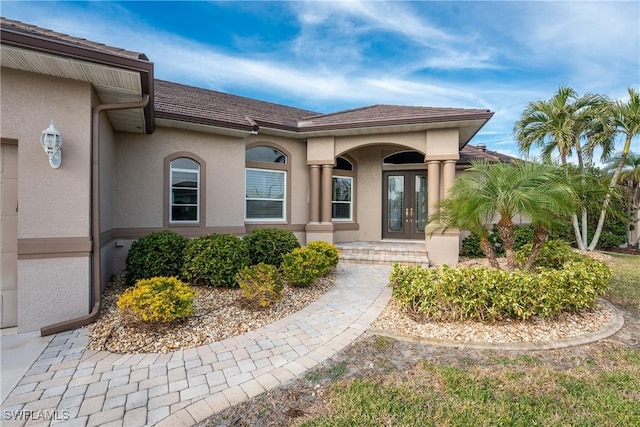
95,219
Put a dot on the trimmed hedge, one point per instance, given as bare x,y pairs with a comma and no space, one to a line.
159,299
158,254
214,260
268,245
447,293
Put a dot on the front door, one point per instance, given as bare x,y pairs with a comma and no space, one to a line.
405,204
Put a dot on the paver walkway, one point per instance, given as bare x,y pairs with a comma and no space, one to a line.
72,386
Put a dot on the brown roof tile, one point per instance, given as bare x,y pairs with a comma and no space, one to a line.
173,100
479,152
392,114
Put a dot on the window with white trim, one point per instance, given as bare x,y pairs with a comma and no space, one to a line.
342,190
184,191
265,184
265,194
341,198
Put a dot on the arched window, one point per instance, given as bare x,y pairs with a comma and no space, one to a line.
184,191
404,157
265,184
342,190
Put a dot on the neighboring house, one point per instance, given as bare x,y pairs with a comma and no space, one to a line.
141,155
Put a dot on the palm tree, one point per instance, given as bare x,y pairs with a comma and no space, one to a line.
563,123
626,121
503,191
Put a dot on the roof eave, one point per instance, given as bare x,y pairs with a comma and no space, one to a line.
67,50
220,126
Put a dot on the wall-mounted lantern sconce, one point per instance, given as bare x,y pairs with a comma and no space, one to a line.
51,141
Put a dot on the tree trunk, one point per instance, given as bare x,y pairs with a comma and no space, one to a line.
574,217
505,228
584,219
487,248
578,234
539,236
607,199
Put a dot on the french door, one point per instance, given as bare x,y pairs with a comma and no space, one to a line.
404,213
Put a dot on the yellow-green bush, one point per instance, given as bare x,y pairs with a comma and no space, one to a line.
261,284
326,248
553,254
447,293
303,266
159,299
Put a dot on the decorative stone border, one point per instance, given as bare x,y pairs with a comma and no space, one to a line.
616,323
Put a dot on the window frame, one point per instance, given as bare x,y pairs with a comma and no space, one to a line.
350,202
284,168
168,190
283,200
351,174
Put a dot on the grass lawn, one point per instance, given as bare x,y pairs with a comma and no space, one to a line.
591,385
625,283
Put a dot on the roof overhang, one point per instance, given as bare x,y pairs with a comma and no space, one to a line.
177,123
115,78
467,129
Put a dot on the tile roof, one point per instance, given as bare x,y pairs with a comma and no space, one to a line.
392,114
45,34
178,101
479,152
173,100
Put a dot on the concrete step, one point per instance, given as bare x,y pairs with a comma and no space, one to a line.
387,253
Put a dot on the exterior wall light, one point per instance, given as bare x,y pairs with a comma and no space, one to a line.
51,141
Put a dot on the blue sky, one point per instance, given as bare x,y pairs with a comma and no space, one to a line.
331,56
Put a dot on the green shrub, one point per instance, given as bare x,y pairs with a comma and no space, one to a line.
447,293
326,248
553,254
609,240
267,245
159,299
158,254
302,266
470,248
261,284
214,260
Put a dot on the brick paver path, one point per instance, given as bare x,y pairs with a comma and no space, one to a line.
73,386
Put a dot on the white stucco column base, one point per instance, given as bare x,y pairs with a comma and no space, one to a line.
443,248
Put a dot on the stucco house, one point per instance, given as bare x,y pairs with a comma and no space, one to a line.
140,155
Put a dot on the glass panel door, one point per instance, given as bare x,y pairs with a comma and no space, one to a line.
404,204
395,204
420,208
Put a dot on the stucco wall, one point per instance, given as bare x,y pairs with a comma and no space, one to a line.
51,291
107,174
54,204
140,181
49,197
